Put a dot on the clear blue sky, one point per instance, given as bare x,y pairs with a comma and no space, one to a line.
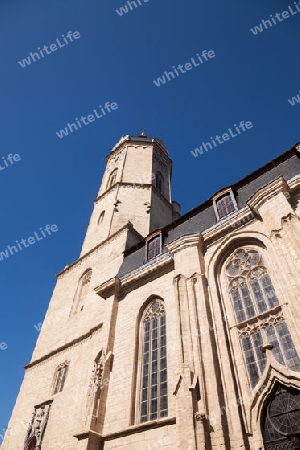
116,59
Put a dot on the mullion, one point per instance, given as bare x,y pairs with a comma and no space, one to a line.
154,373
145,374
280,346
158,365
149,369
58,377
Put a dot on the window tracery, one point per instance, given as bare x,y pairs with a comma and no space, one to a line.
281,421
259,318
60,377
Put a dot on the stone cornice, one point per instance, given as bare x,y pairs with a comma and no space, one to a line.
148,268
294,183
65,346
123,184
138,141
127,431
108,288
267,192
135,185
231,221
185,241
111,238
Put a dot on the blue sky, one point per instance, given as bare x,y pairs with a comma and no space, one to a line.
116,59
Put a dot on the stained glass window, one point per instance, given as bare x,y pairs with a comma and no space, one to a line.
283,346
281,419
253,297
251,288
254,355
154,385
225,205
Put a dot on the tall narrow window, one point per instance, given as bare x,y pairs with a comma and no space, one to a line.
82,291
112,178
60,377
259,318
101,217
159,182
154,385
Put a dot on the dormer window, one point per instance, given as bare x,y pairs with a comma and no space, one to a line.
224,204
154,245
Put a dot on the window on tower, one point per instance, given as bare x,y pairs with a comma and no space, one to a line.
101,217
154,246
153,403
81,292
112,178
60,377
159,182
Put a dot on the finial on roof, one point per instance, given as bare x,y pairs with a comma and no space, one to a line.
143,133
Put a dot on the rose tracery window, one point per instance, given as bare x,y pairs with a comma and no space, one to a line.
258,315
281,420
154,386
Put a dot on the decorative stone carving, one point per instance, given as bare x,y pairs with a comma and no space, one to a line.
96,382
37,425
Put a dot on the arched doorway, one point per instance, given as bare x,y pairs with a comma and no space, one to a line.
31,444
281,420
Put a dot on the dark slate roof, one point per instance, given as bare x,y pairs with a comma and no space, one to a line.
203,216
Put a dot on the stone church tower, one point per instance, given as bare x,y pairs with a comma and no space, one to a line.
172,332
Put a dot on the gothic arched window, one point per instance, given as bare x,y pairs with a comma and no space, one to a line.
154,384
60,377
112,178
82,291
259,317
31,444
101,217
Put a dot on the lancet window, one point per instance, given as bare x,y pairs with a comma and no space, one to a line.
82,291
154,384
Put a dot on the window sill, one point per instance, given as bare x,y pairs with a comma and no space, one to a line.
141,427
130,430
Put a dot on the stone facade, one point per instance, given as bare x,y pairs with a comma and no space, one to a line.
227,282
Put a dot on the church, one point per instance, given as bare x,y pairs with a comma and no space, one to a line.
172,331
